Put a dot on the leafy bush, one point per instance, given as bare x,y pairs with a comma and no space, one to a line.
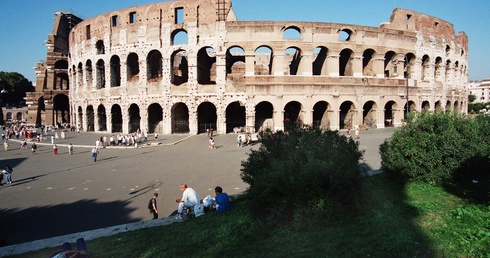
433,146
302,170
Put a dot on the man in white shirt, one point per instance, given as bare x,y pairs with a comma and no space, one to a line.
189,199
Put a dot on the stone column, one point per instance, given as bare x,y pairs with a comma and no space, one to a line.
333,65
278,65
249,64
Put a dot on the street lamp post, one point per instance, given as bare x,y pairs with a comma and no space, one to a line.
2,92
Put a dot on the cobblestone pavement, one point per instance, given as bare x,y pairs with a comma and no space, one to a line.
58,195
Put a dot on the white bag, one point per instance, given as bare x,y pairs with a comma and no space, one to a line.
199,210
208,201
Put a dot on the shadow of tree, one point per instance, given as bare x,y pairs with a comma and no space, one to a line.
472,181
35,223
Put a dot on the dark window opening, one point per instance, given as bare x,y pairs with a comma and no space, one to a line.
114,20
87,32
132,17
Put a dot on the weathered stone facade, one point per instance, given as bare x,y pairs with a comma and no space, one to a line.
49,103
186,66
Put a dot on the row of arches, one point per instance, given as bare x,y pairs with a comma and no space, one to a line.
322,61
266,115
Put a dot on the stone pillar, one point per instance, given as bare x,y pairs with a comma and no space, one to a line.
306,65
333,65
109,121
192,121
278,65
249,65
357,66
335,125
379,66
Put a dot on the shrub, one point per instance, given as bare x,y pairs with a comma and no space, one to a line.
433,146
302,170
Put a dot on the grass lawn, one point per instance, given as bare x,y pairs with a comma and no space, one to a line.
416,220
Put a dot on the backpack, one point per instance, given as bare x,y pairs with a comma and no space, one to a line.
150,204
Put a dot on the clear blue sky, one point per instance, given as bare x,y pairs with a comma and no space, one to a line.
25,24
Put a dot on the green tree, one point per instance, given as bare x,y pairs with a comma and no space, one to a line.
16,86
302,170
433,146
471,98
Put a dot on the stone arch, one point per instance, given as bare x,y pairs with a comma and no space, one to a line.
61,81
369,114
264,116
61,64
18,116
115,64
368,62
79,75
389,66
155,118
438,69
448,105
180,118
292,112
235,116
116,118
425,67
100,47
438,106
40,115
206,117
206,66
90,118
347,112
345,34
425,106
292,57
345,62
263,60
88,69
132,67
154,63
179,37
448,70
410,61
101,118
80,118
291,32
180,67
235,61
411,108
391,113
100,73
321,115
61,109
319,66
134,118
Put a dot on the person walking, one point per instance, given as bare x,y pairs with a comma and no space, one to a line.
70,149
8,173
95,152
34,148
153,206
6,144
55,149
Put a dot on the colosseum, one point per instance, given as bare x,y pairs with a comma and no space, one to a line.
190,65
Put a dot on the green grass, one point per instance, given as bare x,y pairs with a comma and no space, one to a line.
417,220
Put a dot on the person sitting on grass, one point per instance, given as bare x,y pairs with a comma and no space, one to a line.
222,201
189,199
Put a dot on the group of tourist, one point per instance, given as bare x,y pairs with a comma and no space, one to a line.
190,201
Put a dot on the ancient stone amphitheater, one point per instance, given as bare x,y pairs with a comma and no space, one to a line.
188,66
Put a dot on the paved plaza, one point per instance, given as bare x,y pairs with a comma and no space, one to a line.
54,195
